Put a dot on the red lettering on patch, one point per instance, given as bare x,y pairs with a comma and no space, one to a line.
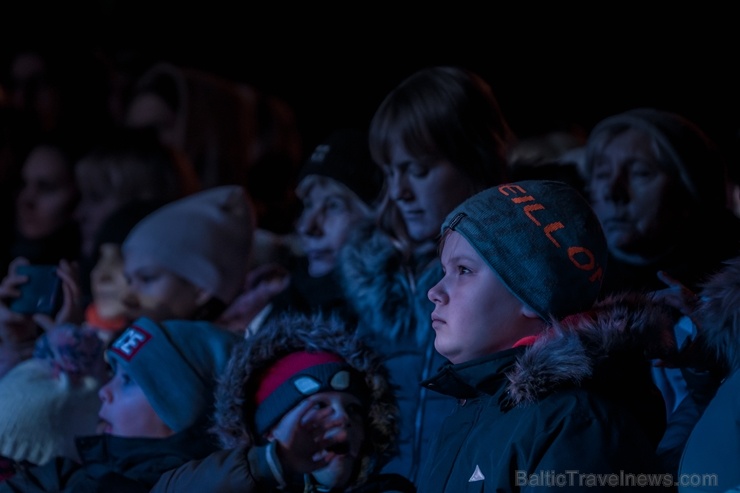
130,342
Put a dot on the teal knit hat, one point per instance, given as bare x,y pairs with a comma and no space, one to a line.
541,238
176,364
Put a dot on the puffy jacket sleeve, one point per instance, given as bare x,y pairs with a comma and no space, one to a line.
241,469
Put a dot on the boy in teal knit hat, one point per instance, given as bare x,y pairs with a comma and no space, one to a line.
552,387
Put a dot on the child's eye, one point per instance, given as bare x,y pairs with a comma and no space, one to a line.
461,269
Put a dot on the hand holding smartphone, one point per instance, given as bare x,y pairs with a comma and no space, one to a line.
42,293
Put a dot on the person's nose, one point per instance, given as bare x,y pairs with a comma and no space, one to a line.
310,223
104,393
398,187
437,294
617,188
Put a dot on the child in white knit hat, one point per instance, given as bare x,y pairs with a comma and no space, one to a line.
189,258
153,410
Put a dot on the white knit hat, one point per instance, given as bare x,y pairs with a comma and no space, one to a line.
205,238
43,410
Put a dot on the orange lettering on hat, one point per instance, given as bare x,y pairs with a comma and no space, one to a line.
573,251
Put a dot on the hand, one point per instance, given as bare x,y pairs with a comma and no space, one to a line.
304,435
676,295
72,310
15,328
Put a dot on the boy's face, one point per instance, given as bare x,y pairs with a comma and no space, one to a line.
125,410
475,314
340,418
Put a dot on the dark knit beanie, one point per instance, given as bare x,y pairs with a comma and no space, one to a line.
298,375
696,157
345,157
542,239
176,364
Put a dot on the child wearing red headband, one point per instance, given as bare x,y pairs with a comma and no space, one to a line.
303,406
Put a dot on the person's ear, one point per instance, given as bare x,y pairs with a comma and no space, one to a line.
528,312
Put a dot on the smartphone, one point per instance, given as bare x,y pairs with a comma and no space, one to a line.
42,293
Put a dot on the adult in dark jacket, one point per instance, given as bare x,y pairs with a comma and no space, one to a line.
658,184
153,413
439,136
712,451
552,390
304,406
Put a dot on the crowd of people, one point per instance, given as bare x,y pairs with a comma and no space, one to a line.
428,303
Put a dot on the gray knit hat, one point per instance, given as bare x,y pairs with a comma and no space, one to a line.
205,238
176,364
697,159
542,239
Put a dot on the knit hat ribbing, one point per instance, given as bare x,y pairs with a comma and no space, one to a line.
43,410
205,238
541,238
176,364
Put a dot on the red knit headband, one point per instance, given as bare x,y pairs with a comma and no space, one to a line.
286,367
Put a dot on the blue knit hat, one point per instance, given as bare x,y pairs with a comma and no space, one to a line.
541,238
176,364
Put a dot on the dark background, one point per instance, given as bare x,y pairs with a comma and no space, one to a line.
549,66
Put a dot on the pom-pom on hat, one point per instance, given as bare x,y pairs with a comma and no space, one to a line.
345,157
298,375
205,238
176,364
541,238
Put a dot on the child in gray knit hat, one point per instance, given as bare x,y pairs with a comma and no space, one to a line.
189,258
547,381
153,412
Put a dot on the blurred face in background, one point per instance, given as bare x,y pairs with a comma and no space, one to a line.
425,190
156,292
637,198
329,212
48,195
108,282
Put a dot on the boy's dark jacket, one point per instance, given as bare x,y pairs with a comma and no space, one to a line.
581,398
112,464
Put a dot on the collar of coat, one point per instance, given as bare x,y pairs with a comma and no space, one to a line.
621,334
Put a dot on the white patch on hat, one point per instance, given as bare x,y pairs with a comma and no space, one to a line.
340,380
307,385
319,154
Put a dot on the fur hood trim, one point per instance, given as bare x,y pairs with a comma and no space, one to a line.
286,334
718,314
618,332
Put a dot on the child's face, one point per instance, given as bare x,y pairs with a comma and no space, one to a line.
475,314
156,292
125,410
340,418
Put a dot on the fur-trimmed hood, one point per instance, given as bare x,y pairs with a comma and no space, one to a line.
388,291
288,333
619,336
718,314
607,350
